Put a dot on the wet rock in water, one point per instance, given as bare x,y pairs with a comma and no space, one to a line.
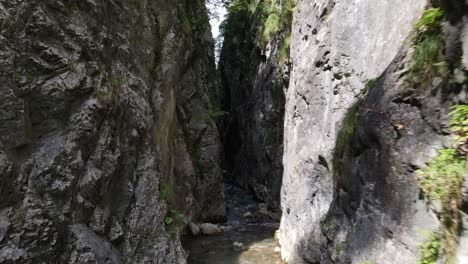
194,229
210,229
238,245
263,211
248,214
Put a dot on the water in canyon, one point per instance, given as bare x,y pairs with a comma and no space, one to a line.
248,235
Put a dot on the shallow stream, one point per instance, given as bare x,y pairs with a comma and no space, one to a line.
247,223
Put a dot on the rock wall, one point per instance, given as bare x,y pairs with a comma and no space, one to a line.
356,132
103,125
254,75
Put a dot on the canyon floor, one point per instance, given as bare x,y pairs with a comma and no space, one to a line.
248,236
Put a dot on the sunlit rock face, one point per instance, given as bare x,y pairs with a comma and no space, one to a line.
104,128
350,193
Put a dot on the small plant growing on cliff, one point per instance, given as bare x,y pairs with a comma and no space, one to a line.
442,180
443,175
174,221
459,123
214,114
285,49
428,44
271,27
429,24
430,249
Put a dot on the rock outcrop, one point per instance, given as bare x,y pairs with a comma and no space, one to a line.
254,71
356,131
105,133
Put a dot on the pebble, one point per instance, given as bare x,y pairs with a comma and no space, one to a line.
238,245
248,214
277,249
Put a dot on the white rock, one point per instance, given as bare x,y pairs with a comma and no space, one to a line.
210,229
248,214
237,244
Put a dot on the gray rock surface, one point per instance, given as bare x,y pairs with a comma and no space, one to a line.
104,127
462,253
363,205
194,229
253,79
210,229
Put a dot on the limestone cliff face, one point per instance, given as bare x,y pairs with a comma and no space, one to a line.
104,129
356,131
254,75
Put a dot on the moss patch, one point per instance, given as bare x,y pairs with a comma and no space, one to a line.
348,127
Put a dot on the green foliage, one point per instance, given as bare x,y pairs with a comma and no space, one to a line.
271,27
287,7
443,175
428,44
442,180
214,114
430,23
285,48
427,58
270,20
430,249
279,21
459,122
238,20
174,221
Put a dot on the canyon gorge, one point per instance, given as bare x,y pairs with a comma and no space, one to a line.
299,131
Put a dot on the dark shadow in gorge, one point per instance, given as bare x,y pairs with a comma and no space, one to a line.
252,95
252,130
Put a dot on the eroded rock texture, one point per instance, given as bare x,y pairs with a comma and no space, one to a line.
356,199
102,105
253,78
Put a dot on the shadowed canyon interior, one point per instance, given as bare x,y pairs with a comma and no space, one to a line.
302,131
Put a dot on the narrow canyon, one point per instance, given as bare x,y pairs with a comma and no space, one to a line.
234,131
